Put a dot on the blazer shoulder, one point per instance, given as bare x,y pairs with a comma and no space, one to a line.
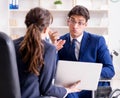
48,45
49,48
18,41
67,35
94,36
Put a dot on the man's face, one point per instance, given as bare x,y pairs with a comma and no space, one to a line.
76,24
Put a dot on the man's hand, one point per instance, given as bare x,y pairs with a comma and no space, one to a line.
59,44
54,36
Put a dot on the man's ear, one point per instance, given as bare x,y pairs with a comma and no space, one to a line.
86,24
46,30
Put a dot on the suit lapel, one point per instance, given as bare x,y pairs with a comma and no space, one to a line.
71,56
84,44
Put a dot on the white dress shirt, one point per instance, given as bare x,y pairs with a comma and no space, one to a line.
77,47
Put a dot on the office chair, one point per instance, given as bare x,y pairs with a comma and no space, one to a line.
106,91
115,94
103,92
9,81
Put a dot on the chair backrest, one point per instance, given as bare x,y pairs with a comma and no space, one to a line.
9,80
115,93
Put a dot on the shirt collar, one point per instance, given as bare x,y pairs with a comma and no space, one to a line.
78,39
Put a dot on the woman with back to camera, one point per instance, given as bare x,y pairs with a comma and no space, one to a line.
36,58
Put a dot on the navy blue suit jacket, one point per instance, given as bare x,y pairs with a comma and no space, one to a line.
93,49
33,86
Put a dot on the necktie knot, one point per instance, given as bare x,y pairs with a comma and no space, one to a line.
73,43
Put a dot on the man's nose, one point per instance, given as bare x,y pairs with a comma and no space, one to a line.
75,25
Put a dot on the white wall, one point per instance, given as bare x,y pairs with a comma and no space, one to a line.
114,38
4,16
114,21
114,28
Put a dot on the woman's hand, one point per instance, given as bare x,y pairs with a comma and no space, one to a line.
73,87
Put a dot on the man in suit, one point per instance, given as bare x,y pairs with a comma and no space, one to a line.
88,47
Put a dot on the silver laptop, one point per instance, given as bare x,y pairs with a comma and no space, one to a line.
71,71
